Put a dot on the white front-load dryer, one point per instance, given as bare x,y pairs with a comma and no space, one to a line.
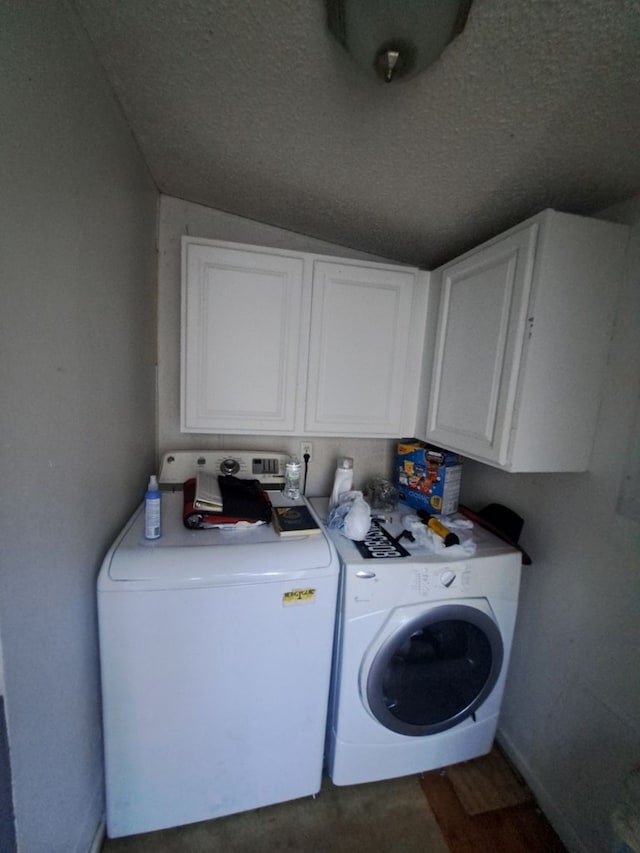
421,655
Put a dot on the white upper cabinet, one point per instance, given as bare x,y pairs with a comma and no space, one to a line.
522,338
288,343
242,318
364,354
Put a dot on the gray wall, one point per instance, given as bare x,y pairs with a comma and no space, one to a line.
77,383
77,332
571,714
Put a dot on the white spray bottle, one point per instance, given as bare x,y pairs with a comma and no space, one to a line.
152,510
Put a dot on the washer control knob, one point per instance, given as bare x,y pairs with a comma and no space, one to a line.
229,466
447,577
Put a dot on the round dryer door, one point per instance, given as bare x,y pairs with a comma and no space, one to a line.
434,670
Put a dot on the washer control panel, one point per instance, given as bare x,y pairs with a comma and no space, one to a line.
266,466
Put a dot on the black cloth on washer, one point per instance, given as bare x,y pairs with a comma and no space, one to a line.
244,498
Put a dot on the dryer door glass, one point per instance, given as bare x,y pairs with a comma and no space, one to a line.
435,670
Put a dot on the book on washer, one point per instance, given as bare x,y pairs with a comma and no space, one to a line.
208,495
294,521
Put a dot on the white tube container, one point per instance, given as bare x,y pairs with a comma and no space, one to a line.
342,481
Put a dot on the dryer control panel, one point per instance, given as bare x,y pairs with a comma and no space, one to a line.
429,581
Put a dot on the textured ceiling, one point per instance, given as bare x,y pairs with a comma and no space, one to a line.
252,107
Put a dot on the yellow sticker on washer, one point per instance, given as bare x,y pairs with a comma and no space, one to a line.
298,596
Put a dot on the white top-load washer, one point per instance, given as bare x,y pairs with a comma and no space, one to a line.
421,652
215,650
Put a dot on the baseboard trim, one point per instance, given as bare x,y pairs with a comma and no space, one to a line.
558,821
98,838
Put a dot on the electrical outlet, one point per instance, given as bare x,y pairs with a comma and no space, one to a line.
306,447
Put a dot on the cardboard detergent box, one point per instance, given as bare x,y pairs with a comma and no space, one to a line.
427,477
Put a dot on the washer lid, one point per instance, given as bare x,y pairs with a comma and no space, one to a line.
196,558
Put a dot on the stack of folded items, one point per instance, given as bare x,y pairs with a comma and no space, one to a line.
234,502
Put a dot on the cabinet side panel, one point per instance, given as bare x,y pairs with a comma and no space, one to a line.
574,295
422,336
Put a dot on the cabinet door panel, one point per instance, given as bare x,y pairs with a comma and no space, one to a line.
478,348
241,328
358,349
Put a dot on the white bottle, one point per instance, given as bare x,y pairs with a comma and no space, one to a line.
152,511
343,480
292,478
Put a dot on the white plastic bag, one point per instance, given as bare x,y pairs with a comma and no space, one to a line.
351,516
433,544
